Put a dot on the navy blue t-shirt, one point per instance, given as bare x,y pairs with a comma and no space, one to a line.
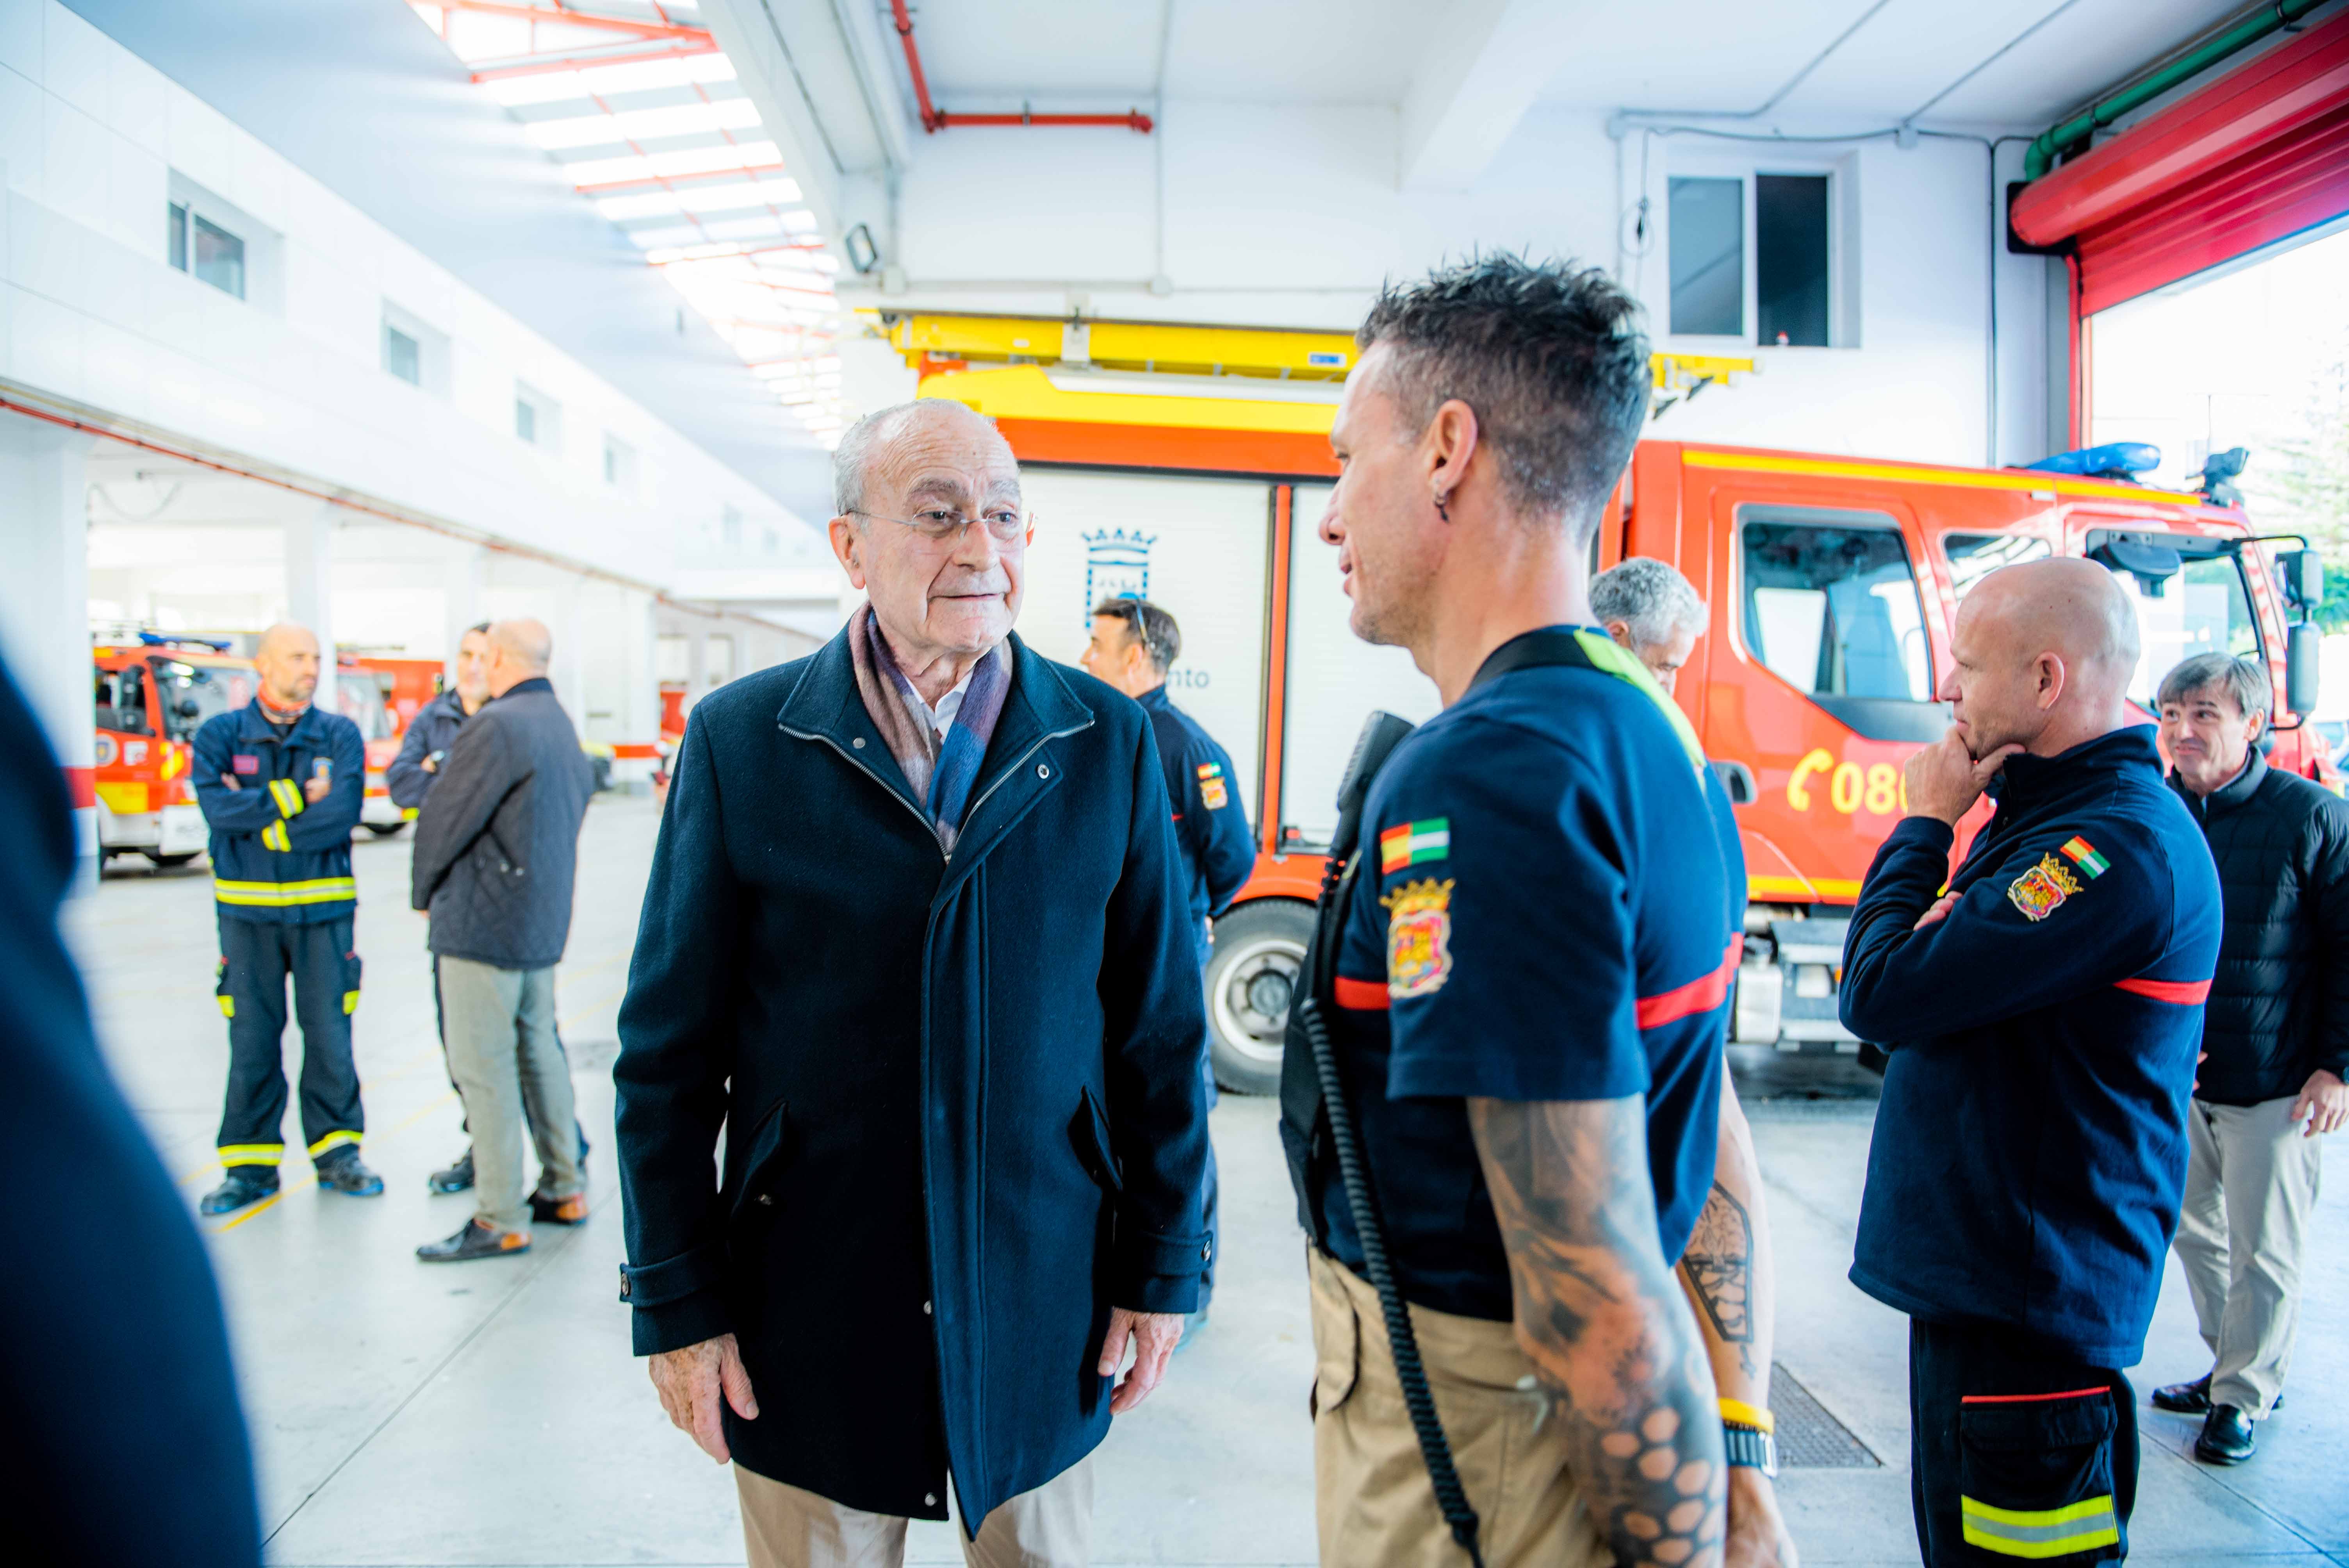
1548,907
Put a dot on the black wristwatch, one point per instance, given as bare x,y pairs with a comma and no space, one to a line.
1749,1436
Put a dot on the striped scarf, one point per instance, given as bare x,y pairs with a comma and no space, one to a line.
942,773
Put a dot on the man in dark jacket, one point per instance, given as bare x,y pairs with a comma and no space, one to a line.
915,941
2041,1019
280,784
2275,1041
1134,644
114,1367
496,850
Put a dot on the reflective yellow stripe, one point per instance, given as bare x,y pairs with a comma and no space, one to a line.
350,1003
288,795
333,1140
228,1006
2036,1532
278,895
274,837
251,1153
1768,888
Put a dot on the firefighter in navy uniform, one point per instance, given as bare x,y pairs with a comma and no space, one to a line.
2041,1018
280,785
1134,644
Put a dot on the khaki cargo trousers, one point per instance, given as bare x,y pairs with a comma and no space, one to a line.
790,1527
1372,1498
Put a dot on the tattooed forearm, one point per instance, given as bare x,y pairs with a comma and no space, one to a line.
1599,1314
1718,1269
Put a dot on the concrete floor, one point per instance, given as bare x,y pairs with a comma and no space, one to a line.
490,1413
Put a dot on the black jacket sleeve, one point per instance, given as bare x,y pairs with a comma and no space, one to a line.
1987,960
2328,889
406,779
482,768
1153,1021
230,805
676,1053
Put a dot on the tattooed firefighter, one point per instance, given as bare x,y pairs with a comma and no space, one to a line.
2041,1018
1519,986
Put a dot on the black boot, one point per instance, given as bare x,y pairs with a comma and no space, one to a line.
345,1174
474,1240
571,1211
245,1184
456,1177
2226,1439
2186,1398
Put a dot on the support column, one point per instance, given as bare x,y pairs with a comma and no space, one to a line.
309,588
44,601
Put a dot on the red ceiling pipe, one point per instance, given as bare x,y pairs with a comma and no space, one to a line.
935,118
539,67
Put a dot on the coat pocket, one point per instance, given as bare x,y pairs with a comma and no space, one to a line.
762,1165
1089,1131
2036,1476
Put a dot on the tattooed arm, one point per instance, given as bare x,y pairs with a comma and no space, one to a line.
1609,1333
1731,1277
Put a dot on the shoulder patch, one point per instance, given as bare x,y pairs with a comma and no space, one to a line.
1213,794
2038,892
1414,844
1419,937
2082,854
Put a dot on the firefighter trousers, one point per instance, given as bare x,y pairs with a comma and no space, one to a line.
257,958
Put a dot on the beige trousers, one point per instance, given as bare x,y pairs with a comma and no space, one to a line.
2250,1181
1372,1498
787,1527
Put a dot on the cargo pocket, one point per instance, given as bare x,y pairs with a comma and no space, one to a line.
351,967
2036,1476
1337,1338
220,991
1089,1131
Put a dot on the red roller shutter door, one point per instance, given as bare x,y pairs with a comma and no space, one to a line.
2255,157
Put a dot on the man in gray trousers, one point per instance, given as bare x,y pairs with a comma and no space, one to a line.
497,844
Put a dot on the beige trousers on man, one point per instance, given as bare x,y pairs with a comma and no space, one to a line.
788,1527
2250,1181
1371,1497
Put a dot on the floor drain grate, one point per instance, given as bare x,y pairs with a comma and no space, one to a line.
1809,1437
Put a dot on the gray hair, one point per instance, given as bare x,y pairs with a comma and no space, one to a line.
2245,680
1650,598
851,460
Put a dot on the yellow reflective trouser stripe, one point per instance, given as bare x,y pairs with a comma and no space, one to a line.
251,1153
273,836
350,1003
228,1006
324,889
288,795
2041,1532
332,1140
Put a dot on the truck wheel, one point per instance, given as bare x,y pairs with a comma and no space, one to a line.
1258,947
384,829
168,862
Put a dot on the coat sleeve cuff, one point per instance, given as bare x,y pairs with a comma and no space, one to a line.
1159,1274
678,1324
672,1279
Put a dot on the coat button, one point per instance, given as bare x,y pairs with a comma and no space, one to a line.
1042,771
925,1309
930,1499
766,1199
858,743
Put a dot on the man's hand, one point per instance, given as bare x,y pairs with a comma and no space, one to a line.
315,788
1938,912
1943,781
690,1382
2324,1100
230,779
1757,1534
1154,1336
430,764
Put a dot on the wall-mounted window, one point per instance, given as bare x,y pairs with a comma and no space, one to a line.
619,465
1755,257
402,355
730,531
538,419
207,251
217,242
414,351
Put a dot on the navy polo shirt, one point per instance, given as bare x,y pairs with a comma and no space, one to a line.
1547,907
1211,825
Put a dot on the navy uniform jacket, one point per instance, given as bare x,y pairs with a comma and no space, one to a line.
961,1094
1548,908
434,729
2029,1151
277,858
114,1366
1210,819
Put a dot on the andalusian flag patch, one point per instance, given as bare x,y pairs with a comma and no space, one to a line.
2082,854
1412,843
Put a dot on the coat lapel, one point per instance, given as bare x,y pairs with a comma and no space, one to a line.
1021,764
824,708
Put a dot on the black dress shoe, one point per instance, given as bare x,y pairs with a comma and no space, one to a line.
454,1178
2226,1439
246,1184
349,1175
474,1240
571,1211
2186,1398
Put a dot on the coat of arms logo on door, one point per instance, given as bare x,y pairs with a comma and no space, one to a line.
1117,566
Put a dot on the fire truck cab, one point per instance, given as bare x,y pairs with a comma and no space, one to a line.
153,692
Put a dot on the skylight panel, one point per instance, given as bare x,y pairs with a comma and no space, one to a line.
645,124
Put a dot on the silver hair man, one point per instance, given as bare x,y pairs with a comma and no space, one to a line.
1651,610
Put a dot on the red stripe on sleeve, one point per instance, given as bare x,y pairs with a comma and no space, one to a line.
2031,1398
1701,995
1362,995
2185,993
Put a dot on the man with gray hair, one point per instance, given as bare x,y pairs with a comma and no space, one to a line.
2275,1041
915,942
497,845
1651,610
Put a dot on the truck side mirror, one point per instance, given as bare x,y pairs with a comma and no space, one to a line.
188,708
2302,571
2299,665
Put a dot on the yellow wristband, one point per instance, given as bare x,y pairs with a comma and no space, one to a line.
1737,1412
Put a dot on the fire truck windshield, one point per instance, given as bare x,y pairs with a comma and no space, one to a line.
2204,608
192,694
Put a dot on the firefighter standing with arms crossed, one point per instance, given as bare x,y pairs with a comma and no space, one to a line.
280,784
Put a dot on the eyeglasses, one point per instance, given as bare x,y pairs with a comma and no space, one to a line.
940,524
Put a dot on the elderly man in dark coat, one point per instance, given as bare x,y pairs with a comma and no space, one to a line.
915,940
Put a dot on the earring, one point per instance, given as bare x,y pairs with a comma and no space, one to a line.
1441,497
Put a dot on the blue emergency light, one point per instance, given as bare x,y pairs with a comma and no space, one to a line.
2113,461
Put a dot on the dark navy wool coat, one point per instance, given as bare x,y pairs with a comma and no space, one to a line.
961,1096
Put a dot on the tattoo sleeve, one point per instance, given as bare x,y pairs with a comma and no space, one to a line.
1728,1269
1608,1332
